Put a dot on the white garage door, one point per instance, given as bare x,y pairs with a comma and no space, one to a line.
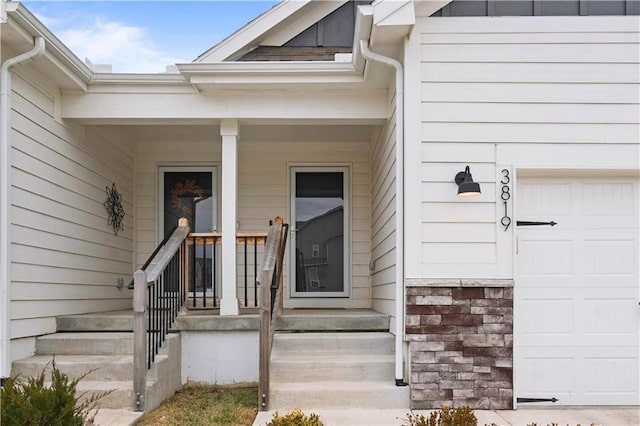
577,291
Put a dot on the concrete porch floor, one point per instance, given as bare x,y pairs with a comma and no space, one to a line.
210,319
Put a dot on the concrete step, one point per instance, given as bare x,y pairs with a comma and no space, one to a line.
321,368
334,370
332,320
96,367
102,321
332,343
336,395
121,396
117,343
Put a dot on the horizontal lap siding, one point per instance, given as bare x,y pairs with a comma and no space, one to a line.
150,155
65,257
490,81
383,216
263,174
263,193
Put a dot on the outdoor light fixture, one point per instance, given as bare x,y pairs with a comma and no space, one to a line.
466,186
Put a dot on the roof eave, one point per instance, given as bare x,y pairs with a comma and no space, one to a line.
259,73
249,32
61,56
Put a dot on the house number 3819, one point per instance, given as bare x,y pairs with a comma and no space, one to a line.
505,195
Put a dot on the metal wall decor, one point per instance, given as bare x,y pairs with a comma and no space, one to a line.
114,209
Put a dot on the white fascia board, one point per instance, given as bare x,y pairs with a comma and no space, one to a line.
392,21
364,24
313,13
270,72
426,8
140,79
393,12
23,20
252,31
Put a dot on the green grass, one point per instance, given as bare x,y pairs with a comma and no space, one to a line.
199,404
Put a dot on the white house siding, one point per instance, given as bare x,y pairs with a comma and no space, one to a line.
65,257
263,191
550,93
265,154
383,215
150,155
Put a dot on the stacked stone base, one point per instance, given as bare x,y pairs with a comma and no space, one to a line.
461,343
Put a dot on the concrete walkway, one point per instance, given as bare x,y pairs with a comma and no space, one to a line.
618,416
112,417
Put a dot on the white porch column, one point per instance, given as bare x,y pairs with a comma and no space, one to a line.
229,133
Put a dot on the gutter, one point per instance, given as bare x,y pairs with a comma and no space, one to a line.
5,200
399,332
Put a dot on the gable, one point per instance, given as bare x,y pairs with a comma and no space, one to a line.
273,28
335,29
321,41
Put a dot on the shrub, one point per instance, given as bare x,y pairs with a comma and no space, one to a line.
295,418
461,416
31,403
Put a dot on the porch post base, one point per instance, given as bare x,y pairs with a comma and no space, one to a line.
229,306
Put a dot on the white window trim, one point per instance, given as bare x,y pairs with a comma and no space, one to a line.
346,170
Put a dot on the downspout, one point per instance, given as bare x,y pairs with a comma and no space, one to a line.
399,331
5,199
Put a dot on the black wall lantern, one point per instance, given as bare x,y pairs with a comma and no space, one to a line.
466,186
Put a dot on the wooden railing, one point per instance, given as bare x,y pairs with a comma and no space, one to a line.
186,265
158,295
270,281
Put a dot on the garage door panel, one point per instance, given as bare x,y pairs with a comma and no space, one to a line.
609,257
610,318
585,376
576,316
576,313
547,257
607,375
546,377
545,198
614,201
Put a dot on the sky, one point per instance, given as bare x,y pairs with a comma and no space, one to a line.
144,36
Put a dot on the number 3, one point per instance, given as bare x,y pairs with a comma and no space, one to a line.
506,179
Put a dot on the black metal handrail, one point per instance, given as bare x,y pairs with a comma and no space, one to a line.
153,255
158,296
203,270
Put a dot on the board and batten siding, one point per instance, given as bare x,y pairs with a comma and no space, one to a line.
526,87
65,257
265,155
383,215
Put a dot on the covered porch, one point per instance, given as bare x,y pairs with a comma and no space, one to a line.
317,177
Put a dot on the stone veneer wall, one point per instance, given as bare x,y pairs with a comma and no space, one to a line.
460,337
